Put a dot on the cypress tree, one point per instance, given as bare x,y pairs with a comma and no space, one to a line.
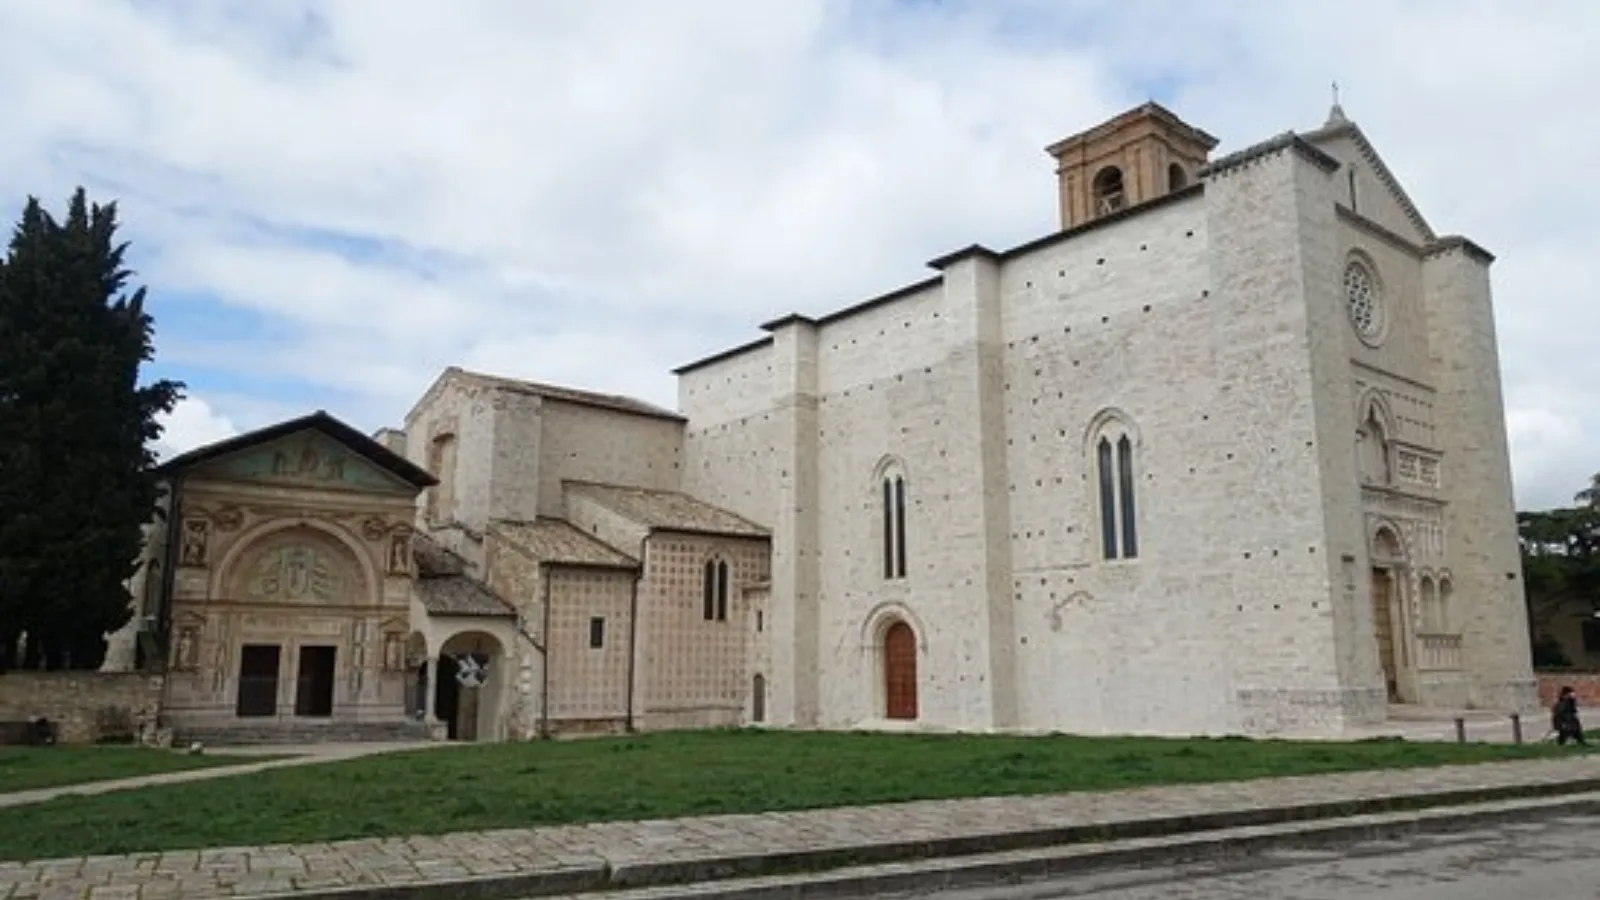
76,427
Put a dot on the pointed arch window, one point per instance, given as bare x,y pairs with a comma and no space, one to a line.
1116,501
714,591
894,524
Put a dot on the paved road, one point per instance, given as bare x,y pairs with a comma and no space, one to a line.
1557,859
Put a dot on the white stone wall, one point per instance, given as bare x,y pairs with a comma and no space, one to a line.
582,443
1480,520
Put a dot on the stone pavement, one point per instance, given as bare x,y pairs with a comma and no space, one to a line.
495,865
291,756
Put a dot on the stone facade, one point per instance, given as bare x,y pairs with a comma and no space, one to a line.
1225,453
1305,379
565,504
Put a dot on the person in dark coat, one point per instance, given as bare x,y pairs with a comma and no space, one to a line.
1564,718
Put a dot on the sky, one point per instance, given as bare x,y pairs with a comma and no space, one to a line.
332,200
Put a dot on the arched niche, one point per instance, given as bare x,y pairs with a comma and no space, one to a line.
298,564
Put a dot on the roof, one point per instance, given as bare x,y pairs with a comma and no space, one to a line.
559,542
444,588
460,595
614,402
666,510
320,421
435,560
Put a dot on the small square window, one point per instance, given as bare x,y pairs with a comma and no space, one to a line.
597,633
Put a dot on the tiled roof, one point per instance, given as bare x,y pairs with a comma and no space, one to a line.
667,510
573,395
459,595
556,541
434,559
444,588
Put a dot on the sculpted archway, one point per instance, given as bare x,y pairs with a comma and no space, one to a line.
297,565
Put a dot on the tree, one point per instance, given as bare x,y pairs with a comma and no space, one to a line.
76,428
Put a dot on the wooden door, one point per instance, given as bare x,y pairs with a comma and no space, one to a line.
900,672
1383,629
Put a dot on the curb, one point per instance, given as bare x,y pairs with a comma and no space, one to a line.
603,875
1032,867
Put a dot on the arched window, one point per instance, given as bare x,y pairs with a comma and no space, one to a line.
715,591
1116,503
1108,191
1177,179
893,526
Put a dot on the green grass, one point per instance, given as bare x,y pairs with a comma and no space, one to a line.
29,768
461,788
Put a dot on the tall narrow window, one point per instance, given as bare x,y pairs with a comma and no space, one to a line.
1114,477
894,526
900,527
722,592
1108,498
888,528
715,591
597,633
1130,537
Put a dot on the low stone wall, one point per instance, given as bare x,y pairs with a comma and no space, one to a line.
87,707
1586,685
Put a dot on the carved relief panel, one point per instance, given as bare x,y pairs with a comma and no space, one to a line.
301,567
194,549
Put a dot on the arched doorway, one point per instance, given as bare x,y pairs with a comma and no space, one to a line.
1388,626
467,686
900,672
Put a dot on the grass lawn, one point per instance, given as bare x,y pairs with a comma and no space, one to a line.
28,768
657,776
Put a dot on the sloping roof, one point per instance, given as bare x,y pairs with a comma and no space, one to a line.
435,560
666,510
557,541
459,595
320,421
615,402
444,588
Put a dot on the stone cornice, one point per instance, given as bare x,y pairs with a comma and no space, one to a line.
1268,148
1398,242
1452,242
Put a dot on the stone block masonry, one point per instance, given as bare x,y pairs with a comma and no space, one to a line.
88,707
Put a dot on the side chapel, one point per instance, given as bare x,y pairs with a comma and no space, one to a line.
1224,453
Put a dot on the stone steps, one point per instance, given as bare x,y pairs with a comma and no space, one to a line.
266,734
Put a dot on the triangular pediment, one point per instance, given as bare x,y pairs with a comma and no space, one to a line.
1379,196
308,459
317,451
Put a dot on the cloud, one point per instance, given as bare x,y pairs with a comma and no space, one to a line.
192,423
333,200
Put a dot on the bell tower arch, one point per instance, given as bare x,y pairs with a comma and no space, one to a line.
1144,153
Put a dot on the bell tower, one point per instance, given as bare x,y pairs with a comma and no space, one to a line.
1145,153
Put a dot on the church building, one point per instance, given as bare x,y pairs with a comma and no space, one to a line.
1224,453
